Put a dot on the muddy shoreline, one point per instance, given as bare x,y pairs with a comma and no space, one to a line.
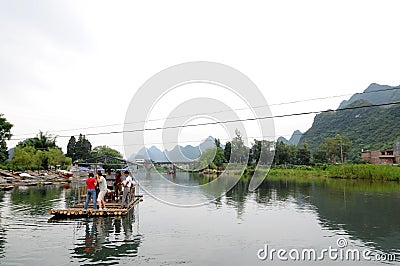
10,180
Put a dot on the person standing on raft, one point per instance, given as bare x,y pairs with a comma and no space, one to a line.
127,184
91,191
103,190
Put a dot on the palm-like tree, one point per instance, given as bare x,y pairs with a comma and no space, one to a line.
42,141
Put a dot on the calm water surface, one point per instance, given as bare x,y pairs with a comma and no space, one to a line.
282,213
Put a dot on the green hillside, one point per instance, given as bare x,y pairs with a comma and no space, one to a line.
376,94
369,128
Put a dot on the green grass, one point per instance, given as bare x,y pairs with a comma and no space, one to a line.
346,171
365,171
299,171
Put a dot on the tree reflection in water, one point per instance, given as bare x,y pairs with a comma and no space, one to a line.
369,211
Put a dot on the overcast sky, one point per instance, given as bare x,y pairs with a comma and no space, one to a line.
77,64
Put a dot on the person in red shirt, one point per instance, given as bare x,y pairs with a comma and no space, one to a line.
91,191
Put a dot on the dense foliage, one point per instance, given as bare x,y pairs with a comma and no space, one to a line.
27,157
40,152
368,128
5,134
104,150
79,150
42,141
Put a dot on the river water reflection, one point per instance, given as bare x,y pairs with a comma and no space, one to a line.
282,213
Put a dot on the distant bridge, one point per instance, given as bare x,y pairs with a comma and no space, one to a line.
184,163
113,161
148,165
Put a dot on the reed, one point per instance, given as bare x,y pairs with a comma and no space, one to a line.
365,171
346,171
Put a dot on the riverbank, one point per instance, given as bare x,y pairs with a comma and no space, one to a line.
10,179
346,171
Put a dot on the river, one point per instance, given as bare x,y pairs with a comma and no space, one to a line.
287,214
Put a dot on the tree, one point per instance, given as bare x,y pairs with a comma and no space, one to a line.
207,157
55,157
5,134
217,143
82,148
39,153
239,151
26,158
303,156
42,141
30,158
320,156
42,159
284,154
105,150
71,148
219,158
227,151
337,148
261,149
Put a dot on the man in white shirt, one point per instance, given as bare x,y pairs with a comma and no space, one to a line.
127,184
103,190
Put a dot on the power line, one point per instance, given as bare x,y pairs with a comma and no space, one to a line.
248,138
207,113
232,121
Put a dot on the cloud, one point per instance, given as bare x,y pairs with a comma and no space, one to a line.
24,21
33,34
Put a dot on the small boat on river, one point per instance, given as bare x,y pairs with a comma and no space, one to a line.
113,202
113,208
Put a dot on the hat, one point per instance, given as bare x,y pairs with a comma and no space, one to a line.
126,172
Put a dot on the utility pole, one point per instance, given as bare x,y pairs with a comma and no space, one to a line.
341,151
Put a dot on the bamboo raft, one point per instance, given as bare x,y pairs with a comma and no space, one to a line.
112,209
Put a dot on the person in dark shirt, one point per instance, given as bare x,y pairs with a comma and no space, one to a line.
117,185
91,191
97,187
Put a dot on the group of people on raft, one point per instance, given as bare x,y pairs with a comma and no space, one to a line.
97,189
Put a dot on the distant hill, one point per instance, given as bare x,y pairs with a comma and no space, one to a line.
156,154
11,153
376,94
369,128
284,140
177,154
294,139
183,154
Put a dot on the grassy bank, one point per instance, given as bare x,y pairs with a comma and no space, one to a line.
298,171
347,171
355,185
365,171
